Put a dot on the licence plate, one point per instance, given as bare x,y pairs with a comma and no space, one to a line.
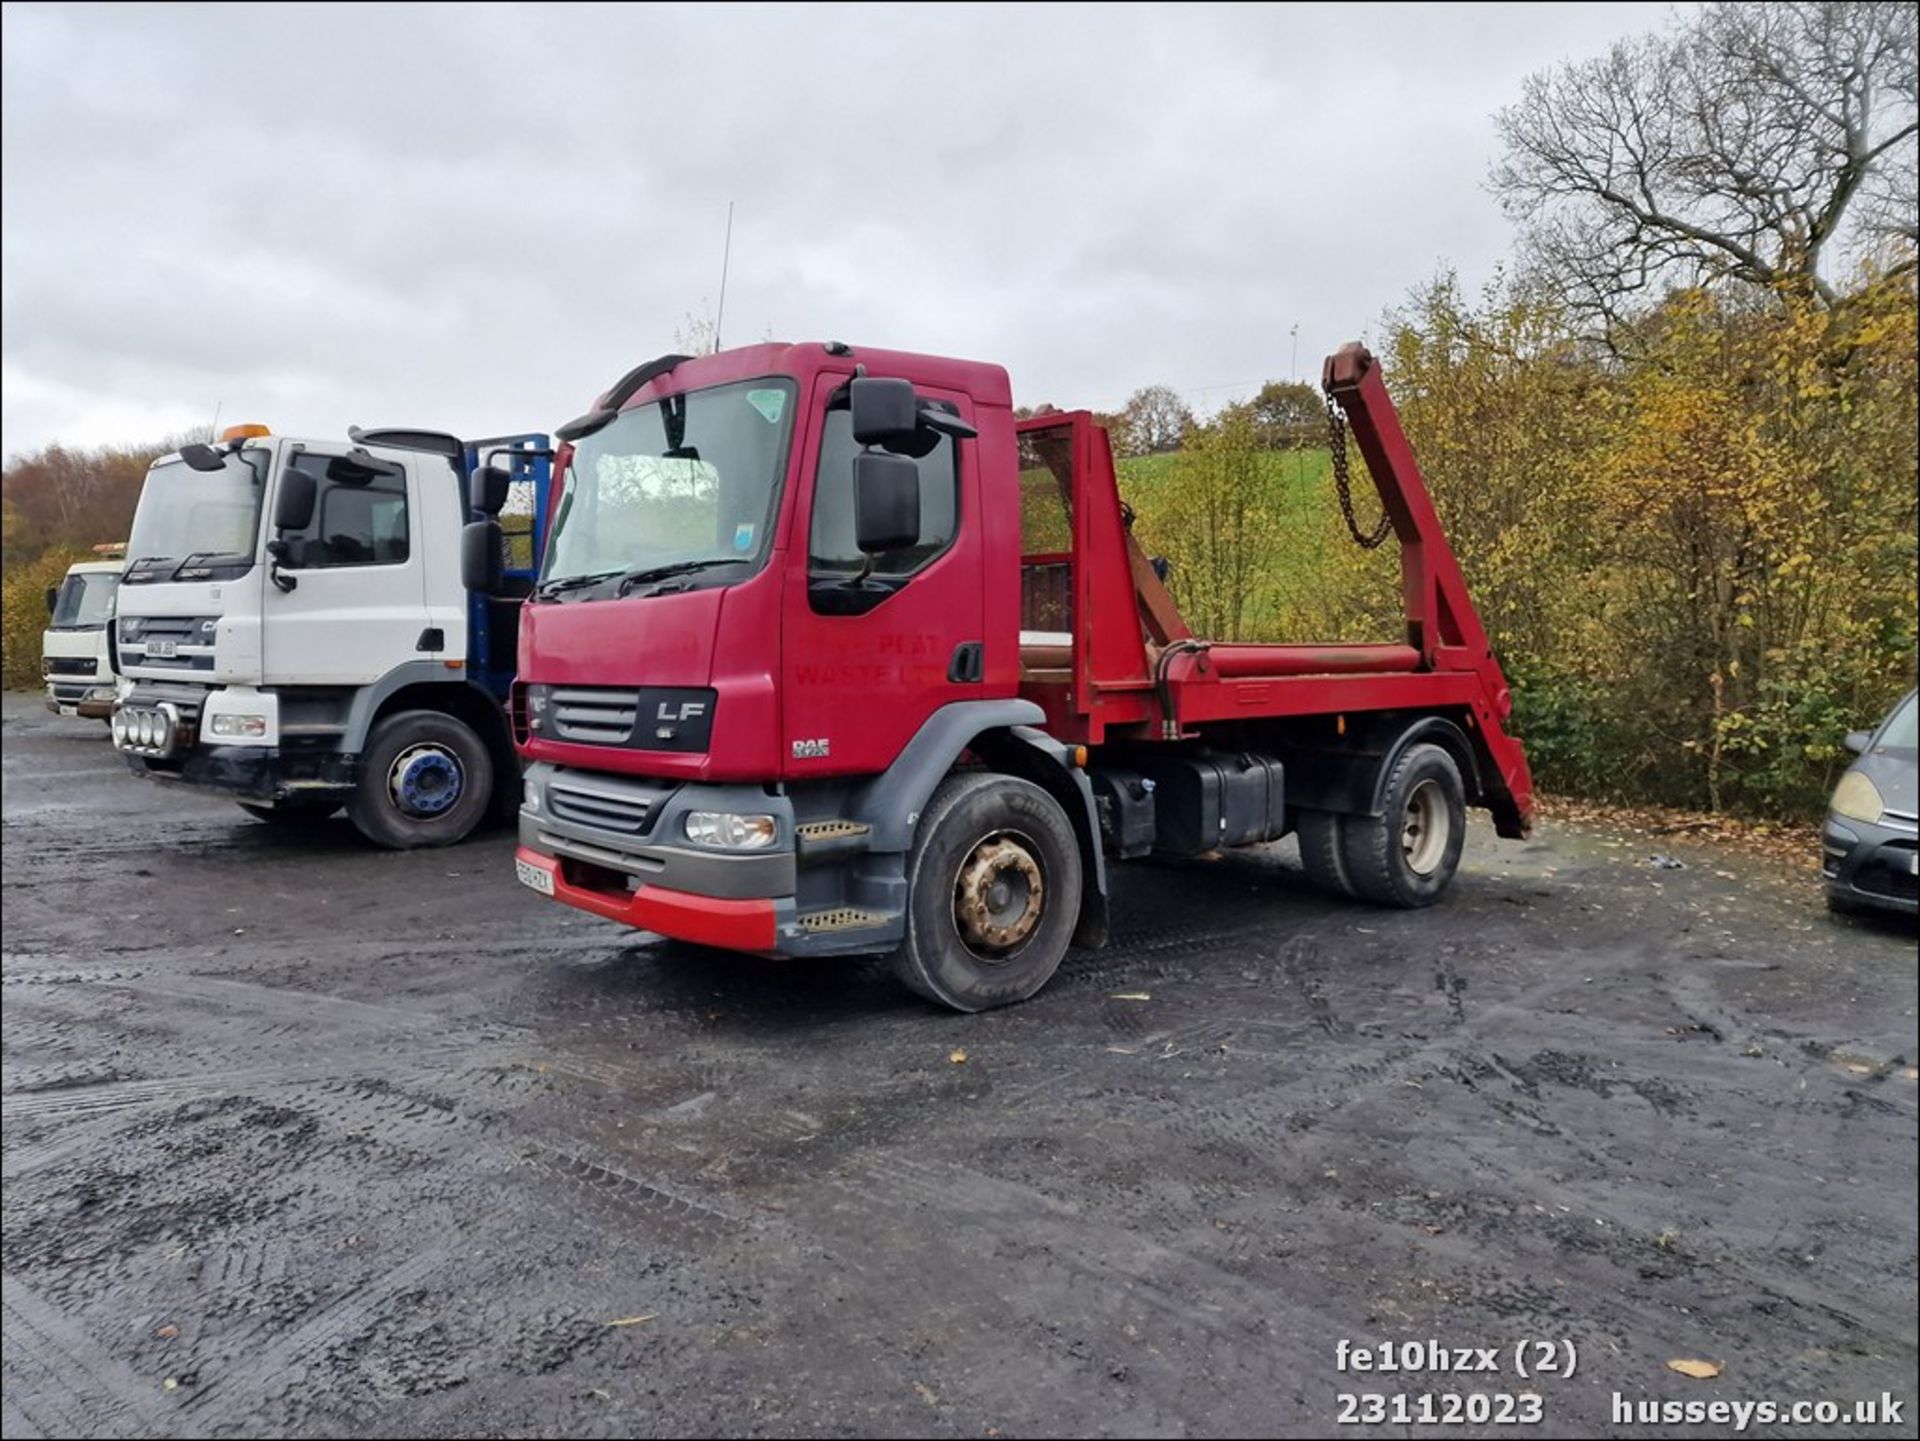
539,877
162,649
69,710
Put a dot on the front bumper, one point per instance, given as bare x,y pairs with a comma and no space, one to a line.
735,925
90,698
1868,864
263,774
616,846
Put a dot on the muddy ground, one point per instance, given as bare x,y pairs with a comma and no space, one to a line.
304,1138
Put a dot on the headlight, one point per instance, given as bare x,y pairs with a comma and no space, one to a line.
529,796
1857,798
119,724
149,728
238,725
539,697
730,832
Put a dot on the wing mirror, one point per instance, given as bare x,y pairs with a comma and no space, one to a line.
1858,741
489,489
480,568
886,502
293,506
888,414
202,457
53,598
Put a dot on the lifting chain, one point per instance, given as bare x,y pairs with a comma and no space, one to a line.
1343,481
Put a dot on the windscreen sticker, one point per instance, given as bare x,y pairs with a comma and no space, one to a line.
770,403
743,536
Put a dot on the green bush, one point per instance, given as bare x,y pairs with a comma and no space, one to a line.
23,614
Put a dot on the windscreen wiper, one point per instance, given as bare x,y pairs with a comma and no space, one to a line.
127,572
197,555
571,582
680,567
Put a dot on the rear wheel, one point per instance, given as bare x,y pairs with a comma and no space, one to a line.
1406,856
993,888
425,780
1319,833
290,813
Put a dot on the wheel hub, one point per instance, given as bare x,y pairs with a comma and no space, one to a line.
1000,894
425,781
1426,828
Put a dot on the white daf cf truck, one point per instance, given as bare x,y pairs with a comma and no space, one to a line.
74,656
295,628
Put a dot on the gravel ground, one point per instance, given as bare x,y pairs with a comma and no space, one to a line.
304,1138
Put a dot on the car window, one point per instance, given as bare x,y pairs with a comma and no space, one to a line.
358,522
833,548
1899,731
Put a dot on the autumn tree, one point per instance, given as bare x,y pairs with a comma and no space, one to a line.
1754,144
60,496
1155,420
1289,415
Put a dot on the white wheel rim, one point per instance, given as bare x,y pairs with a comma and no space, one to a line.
1426,828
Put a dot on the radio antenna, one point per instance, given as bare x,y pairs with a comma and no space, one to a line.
726,254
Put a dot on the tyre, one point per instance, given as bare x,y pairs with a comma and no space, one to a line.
1406,856
425,780
292,813
993,893
1319,833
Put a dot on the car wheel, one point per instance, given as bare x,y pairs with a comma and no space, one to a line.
1406,856
993,893
425,780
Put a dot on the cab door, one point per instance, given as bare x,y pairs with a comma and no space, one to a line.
357,603
865,660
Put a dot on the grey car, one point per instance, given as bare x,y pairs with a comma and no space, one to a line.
1872,838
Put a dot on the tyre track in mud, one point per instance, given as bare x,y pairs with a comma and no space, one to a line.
385,1145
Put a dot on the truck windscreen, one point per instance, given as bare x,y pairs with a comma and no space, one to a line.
210,518
85,601
686,485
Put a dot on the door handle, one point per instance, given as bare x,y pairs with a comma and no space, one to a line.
969,663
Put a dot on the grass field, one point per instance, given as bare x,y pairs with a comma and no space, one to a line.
1309,581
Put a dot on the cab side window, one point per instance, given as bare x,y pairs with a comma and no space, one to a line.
355,522
831,549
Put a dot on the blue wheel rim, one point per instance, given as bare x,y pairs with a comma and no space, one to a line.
425,781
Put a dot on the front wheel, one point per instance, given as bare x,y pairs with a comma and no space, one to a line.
993,893
425,780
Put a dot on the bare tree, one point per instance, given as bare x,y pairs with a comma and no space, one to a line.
1752,145
1157,421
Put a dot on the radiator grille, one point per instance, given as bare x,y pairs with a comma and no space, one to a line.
594,715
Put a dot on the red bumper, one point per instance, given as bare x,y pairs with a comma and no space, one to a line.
705,920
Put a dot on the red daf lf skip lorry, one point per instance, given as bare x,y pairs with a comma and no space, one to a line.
832,655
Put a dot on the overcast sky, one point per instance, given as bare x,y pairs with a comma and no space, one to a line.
475,217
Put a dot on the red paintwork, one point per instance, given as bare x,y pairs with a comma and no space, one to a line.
865,683
781,672
1445,664
693,638
704,920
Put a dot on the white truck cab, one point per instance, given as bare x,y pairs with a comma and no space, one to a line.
297,634
74,654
